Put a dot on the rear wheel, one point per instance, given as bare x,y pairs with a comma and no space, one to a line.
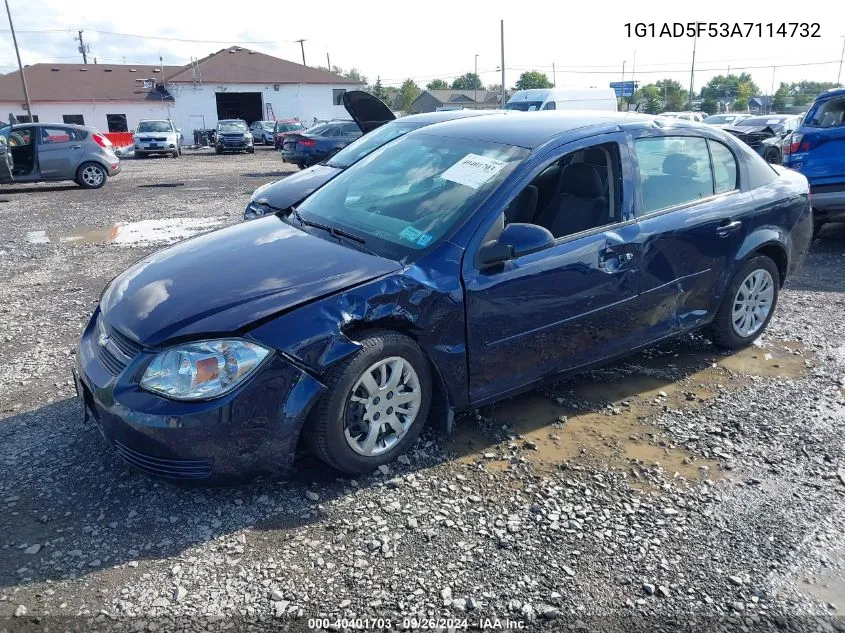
749,304
375,407
91,176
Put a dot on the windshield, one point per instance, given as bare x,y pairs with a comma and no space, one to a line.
523,106
267,125
231,126
406,195
155,126
354,152
289,127
720,118
761,121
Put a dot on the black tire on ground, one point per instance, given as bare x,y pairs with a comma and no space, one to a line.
86,181
721,330
772,156
176,154
218,151
325,431
251,150
817,226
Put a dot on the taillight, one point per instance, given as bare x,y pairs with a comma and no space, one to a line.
795,143
101,140
307,142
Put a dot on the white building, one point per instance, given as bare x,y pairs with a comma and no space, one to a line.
232,83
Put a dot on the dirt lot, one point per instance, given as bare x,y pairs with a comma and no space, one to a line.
682,489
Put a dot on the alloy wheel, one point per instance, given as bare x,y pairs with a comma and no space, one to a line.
382,406
752,303
92,175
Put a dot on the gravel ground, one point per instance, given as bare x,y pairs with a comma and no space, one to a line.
682,489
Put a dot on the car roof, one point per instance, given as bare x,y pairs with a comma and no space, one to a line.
831,94
446,115
531,129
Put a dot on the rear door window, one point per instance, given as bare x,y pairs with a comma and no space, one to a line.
724,167
673,170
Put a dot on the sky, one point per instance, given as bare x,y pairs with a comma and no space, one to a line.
439,38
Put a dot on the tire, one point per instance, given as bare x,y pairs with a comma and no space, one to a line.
218,151
722,330
251,150
91,175
175,154
772,156
337,422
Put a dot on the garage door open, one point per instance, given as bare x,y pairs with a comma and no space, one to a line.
239,105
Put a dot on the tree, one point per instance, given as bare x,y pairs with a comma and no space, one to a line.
437,84
730,90
495,87
799,93
532,79
649,99
378,90
407,93
674,97
469,81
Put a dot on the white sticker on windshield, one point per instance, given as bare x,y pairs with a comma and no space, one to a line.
772,121
473,170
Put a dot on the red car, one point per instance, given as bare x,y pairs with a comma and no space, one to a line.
284,127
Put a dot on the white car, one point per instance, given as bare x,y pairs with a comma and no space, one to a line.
686,116
725,120
157,136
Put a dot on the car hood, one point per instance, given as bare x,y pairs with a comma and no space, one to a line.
367,111
288,191
224,281
752,129
146,135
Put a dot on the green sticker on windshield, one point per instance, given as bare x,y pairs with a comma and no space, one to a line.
410,233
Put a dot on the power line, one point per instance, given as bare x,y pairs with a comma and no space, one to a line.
148,37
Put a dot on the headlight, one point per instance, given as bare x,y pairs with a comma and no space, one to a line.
775,140
207,369
255,210
248,135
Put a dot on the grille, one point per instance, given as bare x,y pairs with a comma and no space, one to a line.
118,350
159,139
169,468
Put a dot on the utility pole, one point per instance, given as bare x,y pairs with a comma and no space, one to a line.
554,76
302,46
633,83
475,84
82,47
502,28
20,66
841,56
772,97
692,73
328,61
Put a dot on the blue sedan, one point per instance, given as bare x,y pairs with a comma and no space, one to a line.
461,263
317,143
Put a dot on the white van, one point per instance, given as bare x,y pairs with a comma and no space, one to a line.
563,99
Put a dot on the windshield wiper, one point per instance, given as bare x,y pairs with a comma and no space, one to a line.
332,230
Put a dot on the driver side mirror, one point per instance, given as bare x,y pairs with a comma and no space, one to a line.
515,241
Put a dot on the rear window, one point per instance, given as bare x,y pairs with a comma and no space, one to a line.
828,114
289,127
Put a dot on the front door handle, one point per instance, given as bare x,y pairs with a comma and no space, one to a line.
76,146
612,259
727,227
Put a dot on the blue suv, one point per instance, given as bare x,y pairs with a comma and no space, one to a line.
817,150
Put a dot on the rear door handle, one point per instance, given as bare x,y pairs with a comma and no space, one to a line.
728,227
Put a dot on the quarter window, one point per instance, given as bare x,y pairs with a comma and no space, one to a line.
673,170
724,167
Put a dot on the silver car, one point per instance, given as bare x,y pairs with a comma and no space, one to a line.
157,136
262,132
40,152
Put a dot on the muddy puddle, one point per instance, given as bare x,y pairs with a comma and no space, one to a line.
599,420
158,231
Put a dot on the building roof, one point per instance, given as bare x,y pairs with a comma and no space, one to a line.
120,82
238,65
82,82
464,96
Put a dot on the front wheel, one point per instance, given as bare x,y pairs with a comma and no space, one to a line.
375,407
772,156
91,176
748,305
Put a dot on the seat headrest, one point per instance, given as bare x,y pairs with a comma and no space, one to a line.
581,180
680,165
595,156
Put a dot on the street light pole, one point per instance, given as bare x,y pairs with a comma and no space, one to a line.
838,75
475,83
692,74
302,46
502,26
20,65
